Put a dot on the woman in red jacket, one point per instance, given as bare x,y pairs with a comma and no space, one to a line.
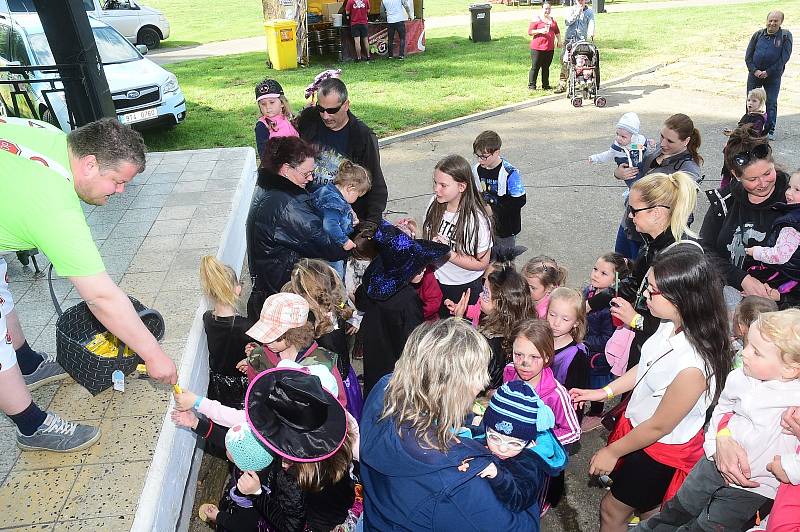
546,36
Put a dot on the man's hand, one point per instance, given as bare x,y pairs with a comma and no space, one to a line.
162,369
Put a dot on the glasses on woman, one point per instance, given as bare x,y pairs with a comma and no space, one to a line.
651,292
500,441
634,212
744,158
304,175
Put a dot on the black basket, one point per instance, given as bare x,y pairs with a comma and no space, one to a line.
77,327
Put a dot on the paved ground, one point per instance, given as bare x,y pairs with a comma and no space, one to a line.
257,44
151,239
153,236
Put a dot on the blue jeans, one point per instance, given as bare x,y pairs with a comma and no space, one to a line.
772,86
626,247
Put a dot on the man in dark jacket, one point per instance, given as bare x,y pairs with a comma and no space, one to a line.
766,57
340,135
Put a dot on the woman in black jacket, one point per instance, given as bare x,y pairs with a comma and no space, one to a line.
283,225
741,214
659,206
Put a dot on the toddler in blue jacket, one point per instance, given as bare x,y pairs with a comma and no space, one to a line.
334,202
518,433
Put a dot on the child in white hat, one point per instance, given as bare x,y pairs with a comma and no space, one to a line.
629,146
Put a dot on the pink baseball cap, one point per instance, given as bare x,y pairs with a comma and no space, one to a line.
280,313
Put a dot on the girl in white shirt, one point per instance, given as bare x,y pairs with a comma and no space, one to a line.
457,216
683,365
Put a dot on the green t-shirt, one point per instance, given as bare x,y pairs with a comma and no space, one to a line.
39,207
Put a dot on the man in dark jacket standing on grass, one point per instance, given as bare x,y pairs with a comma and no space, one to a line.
340,135
766,57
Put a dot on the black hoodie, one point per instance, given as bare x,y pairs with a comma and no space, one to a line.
733,223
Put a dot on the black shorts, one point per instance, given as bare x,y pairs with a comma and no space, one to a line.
359,30
641,482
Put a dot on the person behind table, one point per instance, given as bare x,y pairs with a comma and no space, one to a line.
396,13
358,11
757,394
334,200
225,332
501,186
456,216
276,114
679,375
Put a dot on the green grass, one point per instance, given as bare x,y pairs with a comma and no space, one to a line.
193,22
452,78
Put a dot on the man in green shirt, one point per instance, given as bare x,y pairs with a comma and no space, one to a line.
44,174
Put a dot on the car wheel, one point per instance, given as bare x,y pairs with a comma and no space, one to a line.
50,118
149,37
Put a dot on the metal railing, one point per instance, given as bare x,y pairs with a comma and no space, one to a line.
19,76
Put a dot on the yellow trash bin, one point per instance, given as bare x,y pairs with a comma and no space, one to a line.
281,43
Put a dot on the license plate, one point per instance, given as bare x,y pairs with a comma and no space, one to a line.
138,116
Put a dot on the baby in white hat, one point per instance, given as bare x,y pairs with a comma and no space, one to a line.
629,147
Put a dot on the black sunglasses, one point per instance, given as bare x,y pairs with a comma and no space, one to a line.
635,211
744,158
329,110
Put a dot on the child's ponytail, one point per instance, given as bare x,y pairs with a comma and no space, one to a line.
622,265
218,281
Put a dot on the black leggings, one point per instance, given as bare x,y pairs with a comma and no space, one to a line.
540,59
399,27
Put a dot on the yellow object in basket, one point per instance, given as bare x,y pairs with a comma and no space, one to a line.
106,345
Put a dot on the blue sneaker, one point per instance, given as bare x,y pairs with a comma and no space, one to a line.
59,436
48,371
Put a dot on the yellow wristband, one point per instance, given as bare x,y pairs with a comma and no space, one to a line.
609,391
724,432
634,324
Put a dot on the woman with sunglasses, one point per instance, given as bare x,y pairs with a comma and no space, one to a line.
659,208
681,372
283,226
741,214
677,151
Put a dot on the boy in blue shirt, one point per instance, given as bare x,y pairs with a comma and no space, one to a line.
501,186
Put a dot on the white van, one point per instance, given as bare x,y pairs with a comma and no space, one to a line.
138,24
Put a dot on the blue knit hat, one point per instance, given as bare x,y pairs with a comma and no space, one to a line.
515,410
246,451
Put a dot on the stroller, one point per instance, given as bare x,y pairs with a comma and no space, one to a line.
584,60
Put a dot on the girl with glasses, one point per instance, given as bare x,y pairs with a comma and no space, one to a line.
682,369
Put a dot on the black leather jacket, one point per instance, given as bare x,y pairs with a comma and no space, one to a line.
282,227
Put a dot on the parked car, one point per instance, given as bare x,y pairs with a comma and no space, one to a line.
139,24
144,94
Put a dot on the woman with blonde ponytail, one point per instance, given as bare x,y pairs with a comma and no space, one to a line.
225,332
677,151
659,207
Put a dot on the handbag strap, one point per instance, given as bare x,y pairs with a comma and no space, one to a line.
52,291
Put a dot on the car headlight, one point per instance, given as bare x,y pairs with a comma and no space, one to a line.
171,85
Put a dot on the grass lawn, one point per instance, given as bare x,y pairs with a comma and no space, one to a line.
193,22
452,78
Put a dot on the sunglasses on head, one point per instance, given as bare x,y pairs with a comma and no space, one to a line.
744,158
329,110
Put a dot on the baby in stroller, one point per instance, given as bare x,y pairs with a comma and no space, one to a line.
584,74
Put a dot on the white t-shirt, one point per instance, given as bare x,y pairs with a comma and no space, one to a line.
449,273
664,365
